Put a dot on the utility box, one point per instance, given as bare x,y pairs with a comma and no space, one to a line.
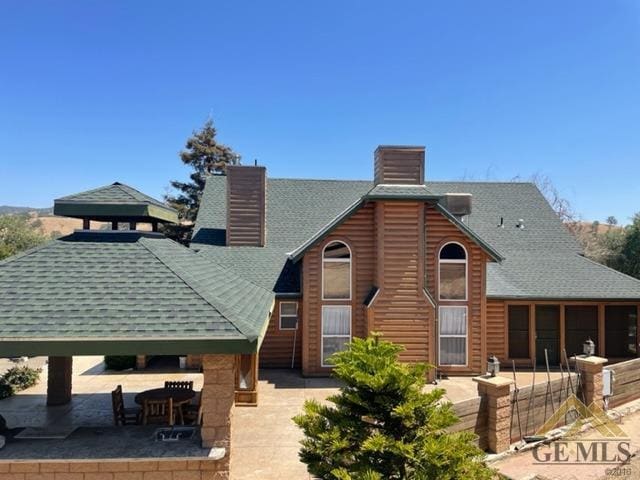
607,382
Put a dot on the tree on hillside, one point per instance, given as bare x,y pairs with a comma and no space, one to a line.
382,425
17,235
628,259
206,157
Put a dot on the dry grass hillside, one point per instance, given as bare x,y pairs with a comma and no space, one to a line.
57,226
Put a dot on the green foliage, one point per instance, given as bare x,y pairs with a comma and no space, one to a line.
119,362
6,390
628,261
17,235
382,425
22,377
616,247
205,156
18,378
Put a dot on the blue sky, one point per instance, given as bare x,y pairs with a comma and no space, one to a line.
97,91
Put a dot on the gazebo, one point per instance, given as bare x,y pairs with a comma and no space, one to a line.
129,292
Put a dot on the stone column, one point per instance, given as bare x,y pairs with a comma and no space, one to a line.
591,371
59,380
194,362
218,394
496,400
141,362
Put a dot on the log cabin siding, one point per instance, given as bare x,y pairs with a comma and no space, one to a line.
497,329
358,233
277,347
246,206
439,231
401,312
394,165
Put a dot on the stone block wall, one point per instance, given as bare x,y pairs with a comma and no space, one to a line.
117,469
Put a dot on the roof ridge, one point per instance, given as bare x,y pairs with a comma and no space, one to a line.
126,190
200,288
483,182
91,190
150,250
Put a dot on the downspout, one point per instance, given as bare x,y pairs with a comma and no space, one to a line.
295,338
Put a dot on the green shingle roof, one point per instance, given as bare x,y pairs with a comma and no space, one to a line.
125,293
400,192
541,261
114,201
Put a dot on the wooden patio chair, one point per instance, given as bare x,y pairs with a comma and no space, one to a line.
158,411
178,385
121,414
192,413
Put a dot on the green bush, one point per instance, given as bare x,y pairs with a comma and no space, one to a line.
383,425
22,377
6,390
120,362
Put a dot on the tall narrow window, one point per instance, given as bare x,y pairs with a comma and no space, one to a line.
518,331
453,272
453,335
336,272
336,330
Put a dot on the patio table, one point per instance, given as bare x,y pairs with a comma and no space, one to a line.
180,396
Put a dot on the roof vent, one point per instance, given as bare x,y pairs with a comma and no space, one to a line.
458,204
520,224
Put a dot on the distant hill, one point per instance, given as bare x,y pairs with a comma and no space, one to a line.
10,210
596,227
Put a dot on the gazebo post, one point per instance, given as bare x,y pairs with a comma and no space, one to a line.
218,394
59,380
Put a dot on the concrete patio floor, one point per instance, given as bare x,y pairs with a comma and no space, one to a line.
265,441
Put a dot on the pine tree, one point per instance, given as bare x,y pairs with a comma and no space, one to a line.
382,425
206,156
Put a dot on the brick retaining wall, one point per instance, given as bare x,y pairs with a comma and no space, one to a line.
117,469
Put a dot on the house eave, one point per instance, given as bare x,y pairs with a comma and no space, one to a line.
539,298
16,347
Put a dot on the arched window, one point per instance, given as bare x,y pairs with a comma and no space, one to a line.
336,272
453,272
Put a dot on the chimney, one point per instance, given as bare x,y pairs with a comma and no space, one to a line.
399,165
458,204
246,205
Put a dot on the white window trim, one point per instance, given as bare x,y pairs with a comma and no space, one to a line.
466,336
322,335
337,260
466,273
280,315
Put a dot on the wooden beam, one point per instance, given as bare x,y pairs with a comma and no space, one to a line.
114,225
532,332
563,339
601,330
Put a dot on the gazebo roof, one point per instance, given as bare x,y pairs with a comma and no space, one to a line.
117,202
125,293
